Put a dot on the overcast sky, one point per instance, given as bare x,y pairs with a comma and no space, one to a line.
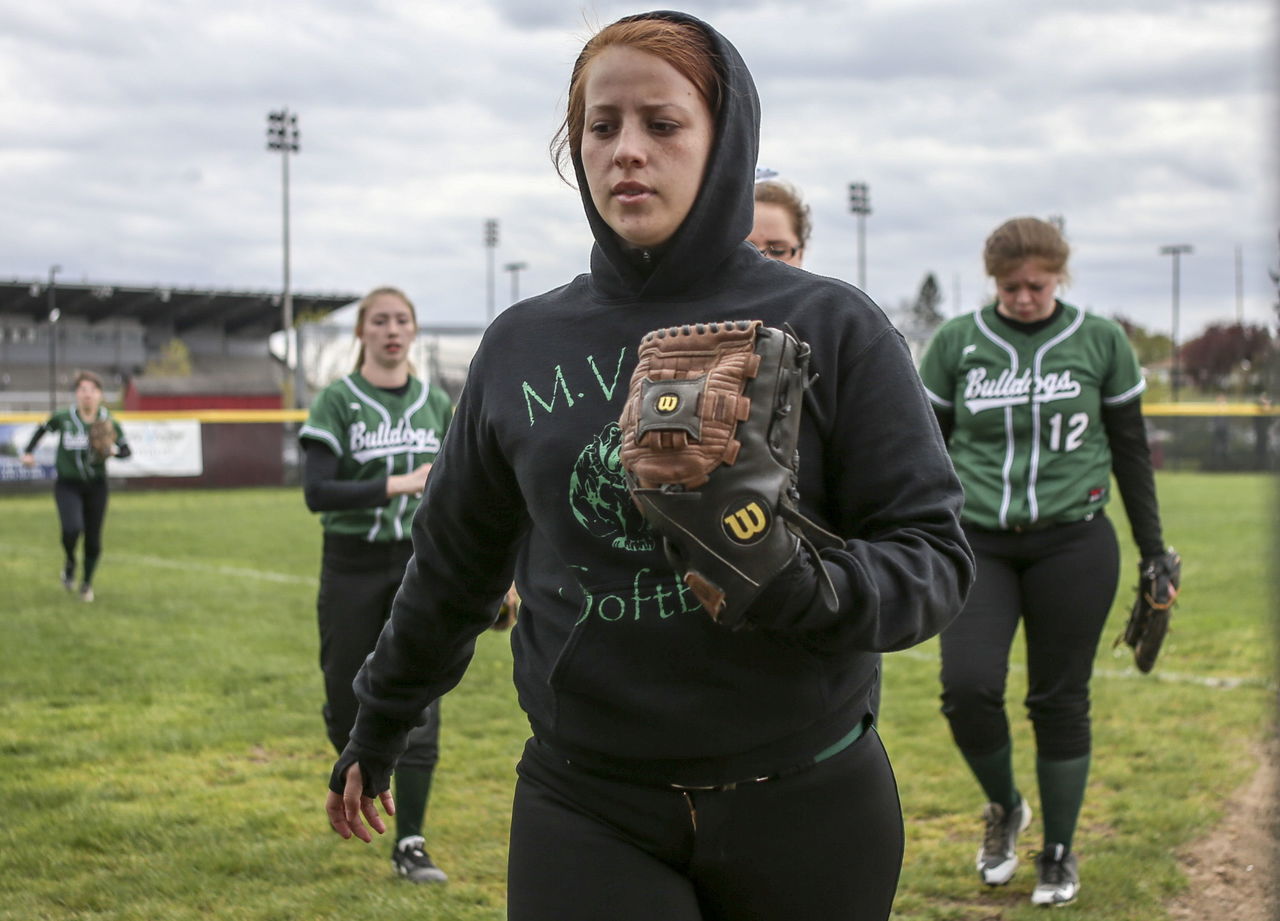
132,142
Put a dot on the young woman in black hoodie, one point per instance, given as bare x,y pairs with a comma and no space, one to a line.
677,769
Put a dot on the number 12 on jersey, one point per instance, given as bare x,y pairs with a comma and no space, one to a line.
1076,426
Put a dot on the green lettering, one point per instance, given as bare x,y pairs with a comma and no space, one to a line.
618,602
529,392
688,601
660,595
607,390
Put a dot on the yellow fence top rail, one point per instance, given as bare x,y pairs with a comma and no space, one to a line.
300,415
199,415
1208,409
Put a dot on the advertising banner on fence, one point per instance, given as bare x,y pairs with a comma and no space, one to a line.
170,447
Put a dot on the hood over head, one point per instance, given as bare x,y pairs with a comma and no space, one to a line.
722,213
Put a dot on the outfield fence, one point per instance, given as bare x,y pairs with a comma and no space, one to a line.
224,448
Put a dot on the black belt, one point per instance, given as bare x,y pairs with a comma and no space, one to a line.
829,752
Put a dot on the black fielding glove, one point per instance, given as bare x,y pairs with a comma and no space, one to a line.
1159,578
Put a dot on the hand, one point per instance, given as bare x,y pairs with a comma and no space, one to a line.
408,484
507,612
345,811
28,460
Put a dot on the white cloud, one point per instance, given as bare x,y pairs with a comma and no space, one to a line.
132,140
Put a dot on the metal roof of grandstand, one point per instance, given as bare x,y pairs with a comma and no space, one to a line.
184,307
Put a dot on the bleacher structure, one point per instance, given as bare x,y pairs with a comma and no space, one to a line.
116,330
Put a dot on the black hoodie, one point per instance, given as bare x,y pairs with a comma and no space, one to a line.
615,662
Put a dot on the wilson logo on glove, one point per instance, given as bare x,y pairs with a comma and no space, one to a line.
747,524
709,450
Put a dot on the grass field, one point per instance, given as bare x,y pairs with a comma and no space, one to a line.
164,758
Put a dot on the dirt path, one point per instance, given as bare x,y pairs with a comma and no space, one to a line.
1233,870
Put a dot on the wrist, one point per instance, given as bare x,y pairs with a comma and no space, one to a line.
803,596
375,772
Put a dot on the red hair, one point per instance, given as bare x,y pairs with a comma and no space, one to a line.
683,45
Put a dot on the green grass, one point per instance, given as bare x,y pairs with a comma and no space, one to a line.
162,753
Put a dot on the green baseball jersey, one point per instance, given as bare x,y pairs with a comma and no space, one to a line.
376,434
1028,440
75,460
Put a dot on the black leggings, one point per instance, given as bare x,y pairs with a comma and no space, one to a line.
82,507
1060,582
821,844
358,582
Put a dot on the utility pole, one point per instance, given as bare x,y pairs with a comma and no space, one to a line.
282,135
490,244
1239,285
54,315
1175,250
515,268
860,204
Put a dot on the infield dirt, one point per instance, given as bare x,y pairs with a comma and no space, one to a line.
1233,869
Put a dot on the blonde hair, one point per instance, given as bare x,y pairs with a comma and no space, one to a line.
366,302
1021,238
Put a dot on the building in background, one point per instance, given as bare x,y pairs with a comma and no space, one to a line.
127,333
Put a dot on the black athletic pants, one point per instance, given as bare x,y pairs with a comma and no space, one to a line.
1061,583
822,844
358,582
82,507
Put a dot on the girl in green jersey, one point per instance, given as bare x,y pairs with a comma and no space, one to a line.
369,443
80,490
1040,405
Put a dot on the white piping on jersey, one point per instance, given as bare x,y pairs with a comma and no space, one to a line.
397,520
408,419
1034,477
1125,397
79,456
310,431
1033,504
386,417
367,400
79,430
934,398
1006,484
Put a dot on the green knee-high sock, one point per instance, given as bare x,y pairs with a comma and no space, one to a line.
413,787
1062,785
995,773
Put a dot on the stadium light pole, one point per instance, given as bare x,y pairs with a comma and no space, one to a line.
1175,250
282,136
515,268
54,315
1239,285
860,204
490,244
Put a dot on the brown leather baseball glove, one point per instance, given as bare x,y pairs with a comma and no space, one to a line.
102,439
709,449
